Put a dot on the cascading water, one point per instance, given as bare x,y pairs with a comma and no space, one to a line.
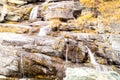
44,31
21,66
92,58
98,67
34,13
66,54
102,72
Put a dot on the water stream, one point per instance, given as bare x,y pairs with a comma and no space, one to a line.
97,66
92,58
102,72
66,54
44,31
21,66
34,13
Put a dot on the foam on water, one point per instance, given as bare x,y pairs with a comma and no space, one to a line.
84,73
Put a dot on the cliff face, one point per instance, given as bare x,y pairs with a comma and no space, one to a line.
41,39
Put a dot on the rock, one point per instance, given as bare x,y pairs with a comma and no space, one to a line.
100,52
113,56
8,61
114,40
72,52
115,27
48,45
39,23
16,62
14,18
20,2
60,10
116,60
83,36
34,62
15,39
86,11
68,27
39,59
14,28
13,13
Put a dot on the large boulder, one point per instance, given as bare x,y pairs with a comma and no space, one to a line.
59,10
8,61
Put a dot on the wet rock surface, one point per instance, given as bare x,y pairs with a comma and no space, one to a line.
40,39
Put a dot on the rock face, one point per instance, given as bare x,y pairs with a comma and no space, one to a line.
9,64
59,10
41,38
16,61
28,54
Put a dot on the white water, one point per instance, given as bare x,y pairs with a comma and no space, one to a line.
66,56
24,79
44,31
34,13
92,58
97,66
102,72
21,66
83,73
2,77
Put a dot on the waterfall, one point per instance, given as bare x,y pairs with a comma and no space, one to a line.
92,58
22,68
44,31
33,14
102,72
21,65
66,54
97,66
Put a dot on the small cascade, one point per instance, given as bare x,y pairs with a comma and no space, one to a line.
44,31
92,58
98,67
66,54
21,66
34,13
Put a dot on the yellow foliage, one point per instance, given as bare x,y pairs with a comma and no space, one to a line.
90,3
40,76
113,67
34,51
45,6
54,22
12,29
109,10
84,18
102,61
87,3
